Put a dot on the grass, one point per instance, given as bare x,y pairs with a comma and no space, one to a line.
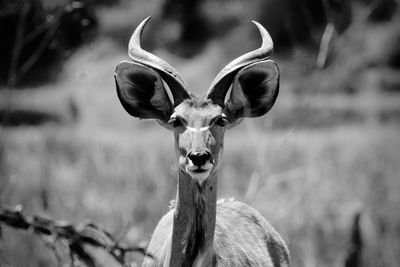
309,185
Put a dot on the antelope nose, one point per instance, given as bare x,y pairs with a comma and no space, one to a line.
200,158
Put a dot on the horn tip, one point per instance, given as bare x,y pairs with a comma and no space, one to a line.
265,36
147,19
258,24
142,24
134,41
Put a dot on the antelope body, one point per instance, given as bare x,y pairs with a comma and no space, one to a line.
198,230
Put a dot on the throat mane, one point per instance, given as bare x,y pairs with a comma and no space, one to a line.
196,229
194,220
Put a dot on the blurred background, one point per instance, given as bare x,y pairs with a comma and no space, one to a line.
327,151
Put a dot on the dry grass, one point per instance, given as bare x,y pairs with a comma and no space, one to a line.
309,185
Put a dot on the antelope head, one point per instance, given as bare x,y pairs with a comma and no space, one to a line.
149,88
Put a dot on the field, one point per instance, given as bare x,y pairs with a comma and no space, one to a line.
319,158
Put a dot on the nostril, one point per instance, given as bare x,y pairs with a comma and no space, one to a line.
199,158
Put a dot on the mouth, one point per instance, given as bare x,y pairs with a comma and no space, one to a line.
200,174
199,170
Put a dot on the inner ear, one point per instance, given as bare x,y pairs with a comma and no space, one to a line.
254,90
141,92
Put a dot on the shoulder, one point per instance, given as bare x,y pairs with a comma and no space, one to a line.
160,243
243,212
240,229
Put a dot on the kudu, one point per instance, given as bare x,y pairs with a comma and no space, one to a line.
198,230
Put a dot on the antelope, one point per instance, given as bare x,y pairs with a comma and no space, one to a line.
198,230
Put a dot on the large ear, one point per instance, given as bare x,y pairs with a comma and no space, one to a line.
254,91
141,91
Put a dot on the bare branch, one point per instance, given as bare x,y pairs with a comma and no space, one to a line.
326,45
77,238
18,44
31,61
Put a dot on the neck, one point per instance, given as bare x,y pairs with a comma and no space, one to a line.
194,222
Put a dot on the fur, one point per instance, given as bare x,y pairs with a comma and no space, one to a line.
242,238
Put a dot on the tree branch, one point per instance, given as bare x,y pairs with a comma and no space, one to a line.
77,238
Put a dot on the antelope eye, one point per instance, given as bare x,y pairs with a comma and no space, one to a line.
221,121
176,122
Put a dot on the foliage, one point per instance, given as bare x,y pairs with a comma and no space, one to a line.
36,39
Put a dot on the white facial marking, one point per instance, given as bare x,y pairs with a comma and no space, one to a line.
196,130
